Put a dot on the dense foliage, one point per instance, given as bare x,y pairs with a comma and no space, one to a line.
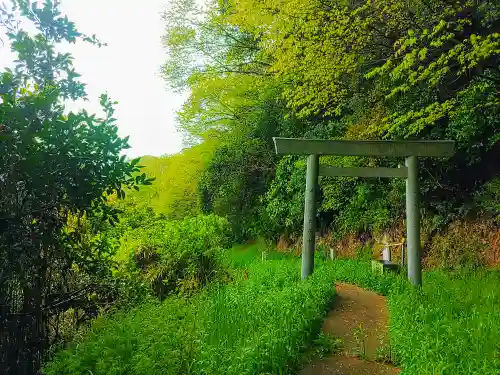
71,246
331,69
56,169
175,255
259,323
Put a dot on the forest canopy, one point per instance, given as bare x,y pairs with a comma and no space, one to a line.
370,69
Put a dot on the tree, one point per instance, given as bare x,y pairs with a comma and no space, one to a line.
56,170
234,180
217,63
390,70
321,49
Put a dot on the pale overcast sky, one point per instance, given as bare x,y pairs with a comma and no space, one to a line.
127,69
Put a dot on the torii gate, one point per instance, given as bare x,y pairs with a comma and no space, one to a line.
411,150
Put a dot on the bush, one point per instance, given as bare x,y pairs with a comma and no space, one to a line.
176,256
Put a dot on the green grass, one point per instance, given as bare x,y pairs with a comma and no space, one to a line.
260,323
360,273
450,326
150,339
265,319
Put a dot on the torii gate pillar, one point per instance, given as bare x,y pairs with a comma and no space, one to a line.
413,221
309,234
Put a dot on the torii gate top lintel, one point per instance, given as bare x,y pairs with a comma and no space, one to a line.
374,148
411,150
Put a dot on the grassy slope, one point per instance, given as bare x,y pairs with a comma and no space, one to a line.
259,323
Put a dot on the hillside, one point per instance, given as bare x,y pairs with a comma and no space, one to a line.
177,176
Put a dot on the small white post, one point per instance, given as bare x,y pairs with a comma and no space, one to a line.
386,252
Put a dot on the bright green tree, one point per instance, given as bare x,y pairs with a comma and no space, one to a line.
175,191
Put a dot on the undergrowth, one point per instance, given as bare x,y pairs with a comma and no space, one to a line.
175,256
451,326
260,323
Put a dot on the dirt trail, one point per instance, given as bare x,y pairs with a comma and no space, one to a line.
359,318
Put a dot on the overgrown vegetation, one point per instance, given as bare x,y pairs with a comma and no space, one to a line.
264,320
259,323
84,235
175,256
449,326
333,69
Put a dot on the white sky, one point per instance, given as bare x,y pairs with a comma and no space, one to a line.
127,69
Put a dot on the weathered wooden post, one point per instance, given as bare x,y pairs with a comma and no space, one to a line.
413,222
309,234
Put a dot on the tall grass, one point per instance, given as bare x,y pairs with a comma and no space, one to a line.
360,273
150,339
263,320
449,326
259,323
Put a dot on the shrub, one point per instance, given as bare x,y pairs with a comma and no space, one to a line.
176,256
